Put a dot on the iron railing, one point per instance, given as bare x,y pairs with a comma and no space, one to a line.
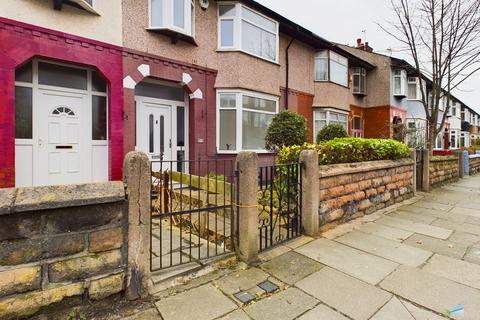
279,200
191,211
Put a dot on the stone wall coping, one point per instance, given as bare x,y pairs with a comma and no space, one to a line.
474,156
443,158
52,197
358,167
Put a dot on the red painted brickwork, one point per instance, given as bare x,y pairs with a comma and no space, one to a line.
299,102
356,111
20,42
378,121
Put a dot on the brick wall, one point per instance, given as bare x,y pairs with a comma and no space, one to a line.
443,169
348,191
59,242
474,164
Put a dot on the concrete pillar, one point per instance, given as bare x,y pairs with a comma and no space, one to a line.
249,234
459,154
426,170
310,192
137,178
413,156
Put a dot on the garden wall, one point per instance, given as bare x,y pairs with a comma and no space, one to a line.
58,242
443,169
348,191
474,164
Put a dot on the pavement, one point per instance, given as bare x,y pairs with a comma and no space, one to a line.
419,260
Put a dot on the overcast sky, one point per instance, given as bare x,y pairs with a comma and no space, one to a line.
343,21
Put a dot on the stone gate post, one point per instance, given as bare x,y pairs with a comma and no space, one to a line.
310,192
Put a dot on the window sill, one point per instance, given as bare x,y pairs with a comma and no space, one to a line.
360,94
249,54
400,96
174,35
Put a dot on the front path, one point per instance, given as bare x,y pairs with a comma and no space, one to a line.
413,262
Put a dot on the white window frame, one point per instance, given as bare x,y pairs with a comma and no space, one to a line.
239,116
403,83
453,133
439,138
414,81
361,73
237,30
168,17
329,67
328,112
87,6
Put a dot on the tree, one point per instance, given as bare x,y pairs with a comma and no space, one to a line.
443,40
287,129
331,132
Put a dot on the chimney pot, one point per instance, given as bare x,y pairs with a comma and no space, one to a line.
359,41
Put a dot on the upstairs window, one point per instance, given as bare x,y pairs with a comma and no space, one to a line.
330,66
399,83
242,29
359,76
175,15
414,92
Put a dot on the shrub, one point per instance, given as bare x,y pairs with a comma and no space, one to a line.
348,150
287,129
331,132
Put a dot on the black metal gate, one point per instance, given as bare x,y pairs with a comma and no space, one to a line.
191,211
419,166
280,204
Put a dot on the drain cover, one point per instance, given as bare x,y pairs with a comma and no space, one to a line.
268,286
244,297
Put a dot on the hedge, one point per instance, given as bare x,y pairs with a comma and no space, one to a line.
348,150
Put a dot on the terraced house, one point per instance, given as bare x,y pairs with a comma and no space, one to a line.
177,79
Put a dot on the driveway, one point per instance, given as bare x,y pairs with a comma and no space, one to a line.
418,261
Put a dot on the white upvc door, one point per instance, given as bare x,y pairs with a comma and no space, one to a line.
154,131
61,153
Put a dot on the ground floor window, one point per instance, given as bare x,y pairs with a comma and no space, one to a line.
464,140
453,140
323,117
357,127
416,134
243,118
439,142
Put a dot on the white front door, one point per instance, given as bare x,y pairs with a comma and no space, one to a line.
61,155
154,131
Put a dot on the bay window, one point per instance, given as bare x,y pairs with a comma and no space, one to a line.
399,83
242,29
330,66
453,140
175,15
243,119
359,76
324,117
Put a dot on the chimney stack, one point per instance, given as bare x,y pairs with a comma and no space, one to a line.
363,47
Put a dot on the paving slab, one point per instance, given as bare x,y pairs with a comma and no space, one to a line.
433,292
473,220
346,294
384,231
473,255
415,217
293,244
241,280
203,303
285,305
393,310
435,205
236,315
470,204
457,270
463,227
464,238
322,312
421,228
443,247
421,314
364,266
388,249
291,267
273,253
466,211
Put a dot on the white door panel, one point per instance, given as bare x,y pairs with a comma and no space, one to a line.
62,150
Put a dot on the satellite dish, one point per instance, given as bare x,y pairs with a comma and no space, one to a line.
204,4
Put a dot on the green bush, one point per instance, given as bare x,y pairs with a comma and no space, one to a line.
287,129
348,150
331,132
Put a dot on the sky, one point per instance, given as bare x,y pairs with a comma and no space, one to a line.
344,21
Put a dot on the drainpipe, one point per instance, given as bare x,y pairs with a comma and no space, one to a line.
287,63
